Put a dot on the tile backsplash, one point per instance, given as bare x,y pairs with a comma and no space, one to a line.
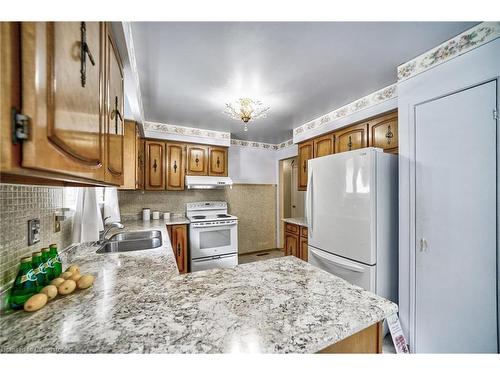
18,204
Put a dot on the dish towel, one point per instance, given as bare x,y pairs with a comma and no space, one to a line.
111,207
87,222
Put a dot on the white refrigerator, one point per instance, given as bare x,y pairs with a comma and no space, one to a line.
352,214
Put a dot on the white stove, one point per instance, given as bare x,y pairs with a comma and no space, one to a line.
213,235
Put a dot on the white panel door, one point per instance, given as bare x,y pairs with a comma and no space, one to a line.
340,205
455,193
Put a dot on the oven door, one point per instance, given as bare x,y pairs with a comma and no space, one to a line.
212,240
219,261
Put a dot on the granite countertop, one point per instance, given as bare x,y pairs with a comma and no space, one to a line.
302,221
140,303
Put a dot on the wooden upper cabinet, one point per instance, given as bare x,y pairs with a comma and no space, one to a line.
197,160
384,132
114,112
324,145
175,166
305,153
129,156
140,162
155,165
351,138
62,94
217,165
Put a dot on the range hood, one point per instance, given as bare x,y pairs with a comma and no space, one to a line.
207,182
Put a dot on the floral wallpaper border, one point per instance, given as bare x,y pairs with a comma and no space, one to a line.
468,40
184,130
262,145
370,100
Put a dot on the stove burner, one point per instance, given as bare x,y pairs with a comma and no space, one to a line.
222,215
198,217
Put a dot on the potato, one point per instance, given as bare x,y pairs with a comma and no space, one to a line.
73,268
35,302
50,291
85,281
67,287
66,275
75,277
57,281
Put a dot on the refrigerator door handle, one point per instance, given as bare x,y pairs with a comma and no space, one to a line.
309,198
340,263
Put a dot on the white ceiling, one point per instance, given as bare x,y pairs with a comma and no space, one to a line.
188,71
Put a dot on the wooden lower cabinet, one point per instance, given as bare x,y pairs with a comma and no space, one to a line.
295,241
366,341
178,238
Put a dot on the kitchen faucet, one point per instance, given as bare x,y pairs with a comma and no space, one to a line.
107,228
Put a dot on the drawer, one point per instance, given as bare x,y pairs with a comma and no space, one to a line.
291,228
303,231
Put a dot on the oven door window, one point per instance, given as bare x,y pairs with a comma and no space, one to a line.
215,238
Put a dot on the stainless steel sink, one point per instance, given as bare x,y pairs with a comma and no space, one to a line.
130,245
136,235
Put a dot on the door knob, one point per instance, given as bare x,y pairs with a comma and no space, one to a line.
423,245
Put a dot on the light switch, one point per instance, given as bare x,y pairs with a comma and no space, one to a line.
33,231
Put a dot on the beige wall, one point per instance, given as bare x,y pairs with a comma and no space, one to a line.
255,206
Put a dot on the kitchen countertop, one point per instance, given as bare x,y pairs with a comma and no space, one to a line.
140,303
302,221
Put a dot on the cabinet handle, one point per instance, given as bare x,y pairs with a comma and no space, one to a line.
84,51
389,135
218,162
196,160
304,166
154,165
175,166
116,114
178,249
349,144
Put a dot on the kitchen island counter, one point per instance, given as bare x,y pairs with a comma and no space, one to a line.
139,303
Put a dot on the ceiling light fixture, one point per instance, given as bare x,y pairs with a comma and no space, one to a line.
246,110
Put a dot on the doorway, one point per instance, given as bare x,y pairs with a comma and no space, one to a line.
292,201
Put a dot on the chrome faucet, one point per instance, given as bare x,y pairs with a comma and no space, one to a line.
107,228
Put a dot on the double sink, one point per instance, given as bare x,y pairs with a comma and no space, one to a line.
131,241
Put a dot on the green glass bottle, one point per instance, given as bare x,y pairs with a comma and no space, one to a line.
56,260
25,285
39,268
49,266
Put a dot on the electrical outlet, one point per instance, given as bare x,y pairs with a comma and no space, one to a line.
33,231
57,223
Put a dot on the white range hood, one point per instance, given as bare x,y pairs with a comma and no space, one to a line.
207,182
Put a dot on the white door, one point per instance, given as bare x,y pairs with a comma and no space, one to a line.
455,192
340,205
356,273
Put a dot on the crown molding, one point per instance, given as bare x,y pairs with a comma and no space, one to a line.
468,40
377,97
261,145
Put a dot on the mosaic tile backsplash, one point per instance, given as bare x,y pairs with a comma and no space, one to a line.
18,204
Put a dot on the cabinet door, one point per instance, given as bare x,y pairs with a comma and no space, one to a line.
303,249
197,160
155,166
291,244
175,166
179,246
129,157
324,145
384,132
62,95
305,153
217,164
351,138
140,163
114,112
